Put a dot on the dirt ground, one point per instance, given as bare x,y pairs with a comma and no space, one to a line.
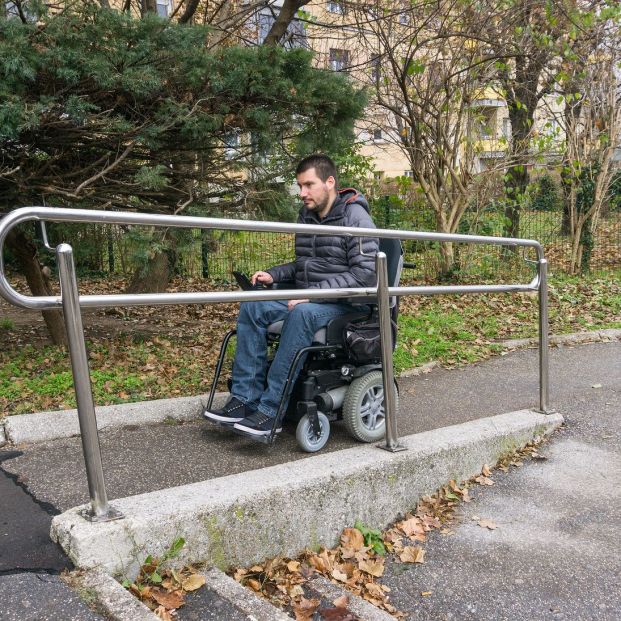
186,323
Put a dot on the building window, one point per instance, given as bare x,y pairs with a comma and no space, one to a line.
339,59
409,174
404,18
487,123
20,10
335,7
164,8
506,128
375,69
378,135
232,143
266,20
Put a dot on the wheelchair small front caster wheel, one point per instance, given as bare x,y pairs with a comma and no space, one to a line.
308,440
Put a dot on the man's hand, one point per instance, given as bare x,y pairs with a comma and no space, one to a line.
263,277
292,303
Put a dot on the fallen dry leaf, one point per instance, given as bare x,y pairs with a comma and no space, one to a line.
482,480
426,593
163,614
412,554
372,567
413,528
352,538
293,566
305,609
490,524
254,584
193,582
337,614
170,600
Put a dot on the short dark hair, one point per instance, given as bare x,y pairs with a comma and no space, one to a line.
323,165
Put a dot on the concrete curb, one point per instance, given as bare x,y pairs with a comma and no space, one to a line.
119,604
577,338
44,426
113,599
245,600
243,518
360,607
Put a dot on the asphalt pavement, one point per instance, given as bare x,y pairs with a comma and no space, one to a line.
552,556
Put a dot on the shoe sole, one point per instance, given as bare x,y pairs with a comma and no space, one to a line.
216,418
255,432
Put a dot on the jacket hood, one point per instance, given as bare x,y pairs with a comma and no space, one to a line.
344,197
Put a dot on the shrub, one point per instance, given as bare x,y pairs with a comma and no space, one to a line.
547,195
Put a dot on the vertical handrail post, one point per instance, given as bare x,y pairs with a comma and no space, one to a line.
544,378
388,377
100,509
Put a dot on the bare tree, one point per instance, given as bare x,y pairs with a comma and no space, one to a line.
427,72
592,127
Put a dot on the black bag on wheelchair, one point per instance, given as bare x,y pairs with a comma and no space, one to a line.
362,340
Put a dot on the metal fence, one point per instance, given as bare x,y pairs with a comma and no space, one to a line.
215,254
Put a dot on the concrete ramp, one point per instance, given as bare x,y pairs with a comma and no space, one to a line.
282,509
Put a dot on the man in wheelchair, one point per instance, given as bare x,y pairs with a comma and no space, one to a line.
322,262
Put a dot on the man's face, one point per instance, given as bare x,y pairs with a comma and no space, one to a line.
316,194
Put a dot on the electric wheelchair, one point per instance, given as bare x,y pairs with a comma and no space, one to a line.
331,385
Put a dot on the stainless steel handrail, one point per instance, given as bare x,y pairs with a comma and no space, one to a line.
71,302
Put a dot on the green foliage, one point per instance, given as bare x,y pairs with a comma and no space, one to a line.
90,91
6,324
372,538
150,570
547,195
355,169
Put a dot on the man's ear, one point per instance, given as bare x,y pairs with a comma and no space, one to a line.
331,182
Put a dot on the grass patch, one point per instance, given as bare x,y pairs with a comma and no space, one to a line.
135,366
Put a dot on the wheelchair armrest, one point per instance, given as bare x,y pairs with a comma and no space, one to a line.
284,284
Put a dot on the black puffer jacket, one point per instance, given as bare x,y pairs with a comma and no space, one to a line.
331,261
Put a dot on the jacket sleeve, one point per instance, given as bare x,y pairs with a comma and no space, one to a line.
284,272
361,272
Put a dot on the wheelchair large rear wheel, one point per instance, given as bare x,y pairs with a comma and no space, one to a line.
309,441
363,408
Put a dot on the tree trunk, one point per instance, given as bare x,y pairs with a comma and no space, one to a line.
148,6
447,259
25,253
190,10
153,278
110,241
285,17
516,179
205,247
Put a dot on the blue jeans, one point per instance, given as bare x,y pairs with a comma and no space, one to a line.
252,383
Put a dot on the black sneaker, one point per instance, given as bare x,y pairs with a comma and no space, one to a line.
257,424
233,411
